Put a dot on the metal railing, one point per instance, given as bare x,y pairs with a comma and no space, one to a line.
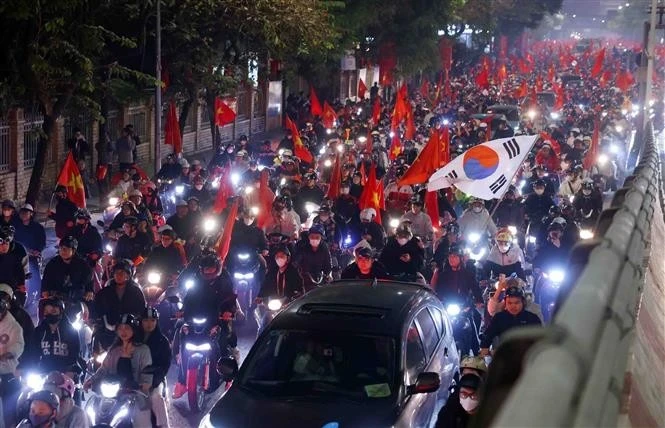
5,148
572,372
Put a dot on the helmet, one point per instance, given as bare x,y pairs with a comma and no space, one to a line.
184,163
27,207
317,229
47,397
554,211
554,227
135,192
456,249
129,319
69,242
363,251
311,176
283,249
560,220
124,264
453,228
60,188
476,363
278,204
131,220
55,302
210,260
61,381
404,230
288,202
150,313
243,137
83,213
515,292
587,184
474,200
368,214
8,203
7,233
503,235
539,183
416,200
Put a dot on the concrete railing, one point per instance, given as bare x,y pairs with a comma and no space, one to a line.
572,372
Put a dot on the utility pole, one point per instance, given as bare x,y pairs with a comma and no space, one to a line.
158,89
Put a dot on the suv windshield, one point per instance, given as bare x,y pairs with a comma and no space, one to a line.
288,363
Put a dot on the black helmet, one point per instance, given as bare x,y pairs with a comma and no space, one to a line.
318,229
415,200
515,292
126,265
131,220
210,260
69,242
283,249
554,211
55,302
150,313
83,213
453,228
588,184
47,397
555,226
8,203
456,249
60,188
311,176
7,233
129,319
539,183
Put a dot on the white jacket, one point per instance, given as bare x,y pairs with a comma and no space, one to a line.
481,222
11,342
514,255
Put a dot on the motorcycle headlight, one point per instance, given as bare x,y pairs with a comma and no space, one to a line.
282,181
340,148
328,131
602,159
477,255
310,207
243,256
209,225
100,358
453,310
113,201
512,230
154,277
179,189
275,305
532,114
474,237
347,240
327,163
238,275
77,324
614,149
555,115
34,381
556,276
322,151
248,190
189,284
532,239
119,415
249,275
619,128
109,248
394,223
586,234
204,347
215,183
199,321
235,178
254,211
362,139
109,389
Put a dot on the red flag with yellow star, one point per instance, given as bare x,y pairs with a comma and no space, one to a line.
223,244
329,116
299,148
395,147
70,177
372,195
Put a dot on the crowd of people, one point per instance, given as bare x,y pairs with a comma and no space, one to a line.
308,208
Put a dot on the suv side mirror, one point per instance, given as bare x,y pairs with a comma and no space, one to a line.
227,368
425,383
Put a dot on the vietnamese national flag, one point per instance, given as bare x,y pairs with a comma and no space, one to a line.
223,113
501,74
266,196
624,80
376,111
598,63
362,89
395,147
223,193
315,106
554,143
172,135
522,91
424,89
551,76
482,79
605,78
410,130
224,242
372,195
329,116
539,84
591,155
299,148
70,177
335,179
432,208
430,158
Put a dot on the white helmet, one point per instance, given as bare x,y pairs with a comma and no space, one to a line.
367,214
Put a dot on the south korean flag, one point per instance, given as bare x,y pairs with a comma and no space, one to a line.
486,170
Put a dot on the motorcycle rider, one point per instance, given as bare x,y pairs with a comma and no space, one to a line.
211,296
44,406
476,219
8,213
450,236
133,244
345,208
200,191
496,302
421,224
11,264
572,184
127,209
21,316
404,254
246,234
121,295
588,203
69,414
280,221
55,344
313,257
455,281
365,267
165,257
160,351
32,236
371,231
462,404
88,237
332,232
537,204
67,274
11,349
311,192
170,169
553,252
152,200
510,211
181,221
282,280
515,315
64,212
128,358
506,257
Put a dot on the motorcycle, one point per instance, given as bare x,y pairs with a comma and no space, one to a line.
166,193
546,291
158,294
477,247
112,406
465,330
112,209
266,312
245,267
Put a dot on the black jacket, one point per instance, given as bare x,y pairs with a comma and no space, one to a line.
452,414
48,351
457,284
32,236
90,241
313,262
11,270
183,226
131,248
107,303
64,211
509,213
210,299
165,259
71,279
390,257
353,272
160,350
504,321
248,237
290,283
536,207
376,232
549,255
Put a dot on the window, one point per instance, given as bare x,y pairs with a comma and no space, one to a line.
4,147
429,334
138,119
113,125
32,128
190,120
415,355
438,320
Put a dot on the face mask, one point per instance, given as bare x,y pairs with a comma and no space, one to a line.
504,248
323,218
477,209
248,221
402,241
52,319
229,150
586,192
468,404
198,186
37,420
314,242
281,262
539,191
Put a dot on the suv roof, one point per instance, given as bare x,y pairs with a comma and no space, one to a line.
375,307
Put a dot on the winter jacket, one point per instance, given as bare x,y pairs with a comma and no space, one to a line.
32,236
72,279
107,303
49,351
160,352
141,358
167,260
131,248
457,284
89,239
313,261
473,222
248,237
509,213
536,207
550,256
390,257
282,284
504,321
421,224
210,299
11,342
11,270
64,212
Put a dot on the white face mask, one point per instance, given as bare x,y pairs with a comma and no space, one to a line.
469,404
402,241
477,209
199,186
248,221
281,261
314,242
503,248
539,191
